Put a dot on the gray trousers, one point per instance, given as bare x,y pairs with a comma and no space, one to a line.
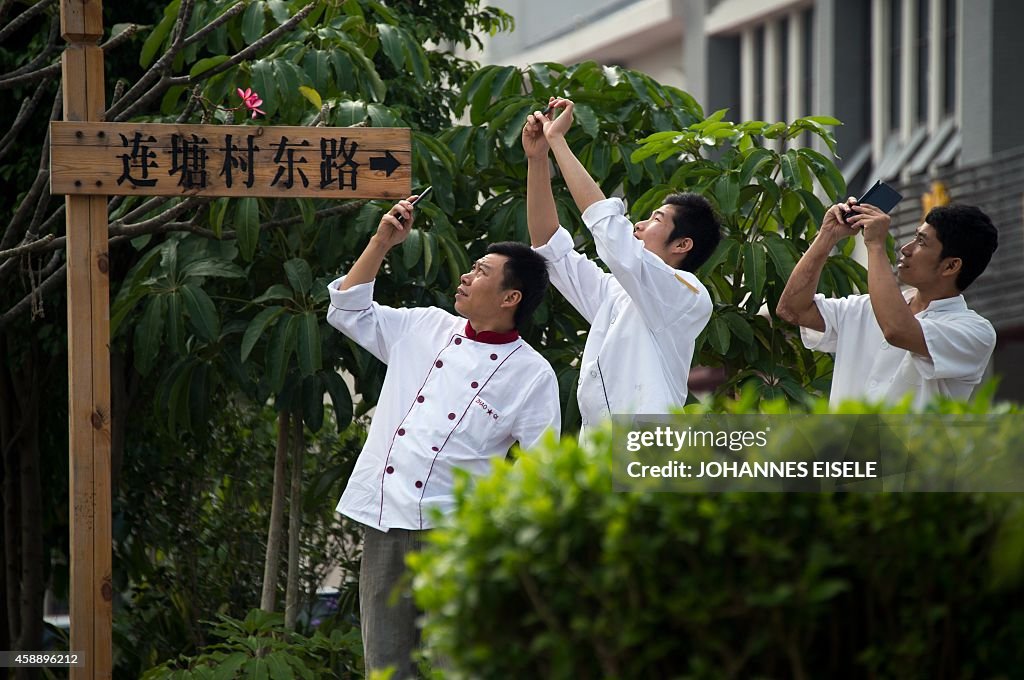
386,611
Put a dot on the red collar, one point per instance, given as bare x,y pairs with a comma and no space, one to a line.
491,337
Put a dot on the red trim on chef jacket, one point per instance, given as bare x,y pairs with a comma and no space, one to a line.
491,337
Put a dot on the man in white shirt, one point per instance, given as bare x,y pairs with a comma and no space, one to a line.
888,344
647,312
457,394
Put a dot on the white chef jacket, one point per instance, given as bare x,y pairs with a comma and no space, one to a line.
867,367
452,398
644,317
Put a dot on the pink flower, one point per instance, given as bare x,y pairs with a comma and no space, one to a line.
251,100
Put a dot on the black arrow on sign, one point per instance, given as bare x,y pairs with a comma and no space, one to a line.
387,163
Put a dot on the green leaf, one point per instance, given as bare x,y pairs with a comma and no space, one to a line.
312,96
148,335
204,65
391,42
247,225
740,327
215,268
312,408
279,10
719,335
754,273
300,275
310,360
175,328
412,249
201,312
264,82
278,291
159,34
824,120
279,351
341,398
780,255
255,329
588,119
218,209
727,191
253,21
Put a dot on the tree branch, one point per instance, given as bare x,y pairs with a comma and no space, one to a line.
28,107
124,107
212,26
23,18
249,51
26,248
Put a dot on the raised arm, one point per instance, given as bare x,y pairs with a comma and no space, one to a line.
541,214
796,304
897,321
582,186
390,233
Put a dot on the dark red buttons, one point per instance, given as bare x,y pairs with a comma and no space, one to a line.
401,431
493,357
451,416
439,363
420,399
390,470
474,384
419,485
458,341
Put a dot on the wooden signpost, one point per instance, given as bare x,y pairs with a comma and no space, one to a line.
91,160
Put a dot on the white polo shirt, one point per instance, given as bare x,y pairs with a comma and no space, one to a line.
452,399
867,367
644,317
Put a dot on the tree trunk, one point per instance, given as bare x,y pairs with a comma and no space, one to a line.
268,600
11,496
32,568
292,602
8,541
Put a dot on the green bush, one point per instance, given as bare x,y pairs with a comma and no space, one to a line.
260,647
544,571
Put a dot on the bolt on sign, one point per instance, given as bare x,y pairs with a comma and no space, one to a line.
229,160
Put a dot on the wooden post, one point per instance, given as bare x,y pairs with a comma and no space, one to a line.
88,359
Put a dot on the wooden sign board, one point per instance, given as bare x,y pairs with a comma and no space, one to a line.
157,159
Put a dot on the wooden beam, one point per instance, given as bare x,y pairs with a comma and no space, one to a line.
88,361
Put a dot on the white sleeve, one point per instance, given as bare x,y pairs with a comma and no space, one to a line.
372,326
831,312
959,347
577,278
541,411
662,294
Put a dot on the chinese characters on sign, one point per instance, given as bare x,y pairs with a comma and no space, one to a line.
223,160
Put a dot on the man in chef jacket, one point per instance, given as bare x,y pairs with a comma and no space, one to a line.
888,344
646,312
458,392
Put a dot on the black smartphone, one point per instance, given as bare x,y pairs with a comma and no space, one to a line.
401,218
546,110
880,195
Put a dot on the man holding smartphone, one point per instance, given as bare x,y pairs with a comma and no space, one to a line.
646,312
458,392
887,344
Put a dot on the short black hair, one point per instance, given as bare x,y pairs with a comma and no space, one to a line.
695,219
968,233
525,271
